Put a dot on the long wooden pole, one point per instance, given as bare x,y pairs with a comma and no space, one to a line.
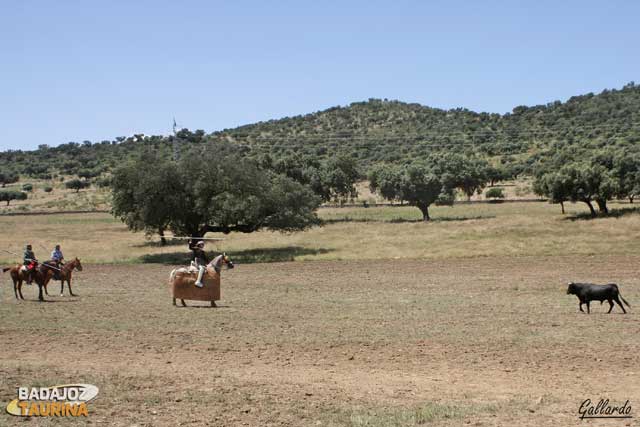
194,238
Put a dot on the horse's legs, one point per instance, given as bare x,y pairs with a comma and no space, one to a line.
183,303
174,301
15,288
213,303
69,285
61,287
45,289
40,296
20,289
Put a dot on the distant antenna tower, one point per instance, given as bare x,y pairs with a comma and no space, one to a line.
176,151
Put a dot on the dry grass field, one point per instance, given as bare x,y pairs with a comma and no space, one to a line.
392,322
461,231
334,343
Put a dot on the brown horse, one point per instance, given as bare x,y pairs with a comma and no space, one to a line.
65,274
17,276
42,275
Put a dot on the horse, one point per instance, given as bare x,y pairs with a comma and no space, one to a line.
65,274
42,275
17,276
183,280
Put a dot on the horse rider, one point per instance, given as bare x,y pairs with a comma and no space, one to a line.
30,261
200,259
58,259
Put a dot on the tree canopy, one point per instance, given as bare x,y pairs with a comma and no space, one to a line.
214,191
8,196
77,184
8,178
595,177
419,184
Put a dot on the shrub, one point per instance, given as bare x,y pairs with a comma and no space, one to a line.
88,173
27,187
104,182
76,184
495,194
48,189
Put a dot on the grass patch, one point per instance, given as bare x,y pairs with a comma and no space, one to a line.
429,413
421,415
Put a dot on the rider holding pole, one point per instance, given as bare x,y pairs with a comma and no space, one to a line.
56,255
200,259
30,262
58,258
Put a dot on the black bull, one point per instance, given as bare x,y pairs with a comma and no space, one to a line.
587,292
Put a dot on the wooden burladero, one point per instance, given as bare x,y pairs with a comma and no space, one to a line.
183,286
182,282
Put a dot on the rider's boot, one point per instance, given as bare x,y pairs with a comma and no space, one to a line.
200,273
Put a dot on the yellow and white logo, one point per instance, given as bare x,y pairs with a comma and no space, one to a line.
68,400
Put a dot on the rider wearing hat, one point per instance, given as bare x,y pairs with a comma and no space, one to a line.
58,259
200,259
57,256
30,262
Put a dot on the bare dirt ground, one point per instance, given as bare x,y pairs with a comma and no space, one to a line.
482,341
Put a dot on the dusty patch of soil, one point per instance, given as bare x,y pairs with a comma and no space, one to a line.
468,341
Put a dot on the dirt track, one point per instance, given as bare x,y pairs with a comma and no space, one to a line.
480,341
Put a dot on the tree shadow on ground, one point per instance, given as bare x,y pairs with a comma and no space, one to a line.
444,219
613,213
172,258
407,220
248,256
156,243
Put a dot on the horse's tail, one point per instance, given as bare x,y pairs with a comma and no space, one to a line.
4,270
173,274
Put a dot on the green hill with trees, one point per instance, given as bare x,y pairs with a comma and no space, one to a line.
584,149
374,131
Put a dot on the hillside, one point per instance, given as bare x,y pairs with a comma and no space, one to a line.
381,130
374,131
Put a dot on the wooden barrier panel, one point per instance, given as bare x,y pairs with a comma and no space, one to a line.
183,286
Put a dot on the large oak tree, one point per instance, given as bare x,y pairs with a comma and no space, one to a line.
214,191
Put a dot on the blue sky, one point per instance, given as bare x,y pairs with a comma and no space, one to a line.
87,70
